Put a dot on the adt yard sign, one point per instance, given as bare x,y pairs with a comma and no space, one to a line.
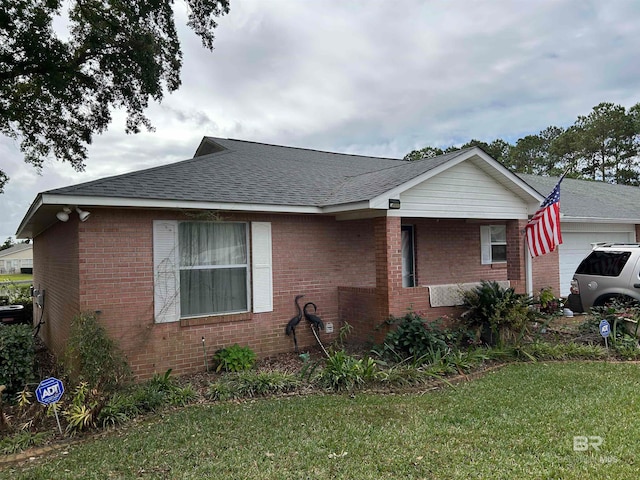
49,391
605,328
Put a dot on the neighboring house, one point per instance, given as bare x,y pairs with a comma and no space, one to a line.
590,212
16,257
216,247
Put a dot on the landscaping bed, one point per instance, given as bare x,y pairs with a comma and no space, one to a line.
417,356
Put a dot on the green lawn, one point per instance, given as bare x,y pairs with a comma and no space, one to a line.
15,277
517,422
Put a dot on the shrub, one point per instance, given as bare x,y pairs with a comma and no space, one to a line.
414,338
17,356
234,358
624,318
498,315
150,396
119,409
92,357
564,351
223,390
21,441
547,302
252,384
345,372
83,411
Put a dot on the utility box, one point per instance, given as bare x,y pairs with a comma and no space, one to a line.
12,314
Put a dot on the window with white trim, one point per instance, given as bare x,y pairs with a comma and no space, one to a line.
202,268
213,268
493,240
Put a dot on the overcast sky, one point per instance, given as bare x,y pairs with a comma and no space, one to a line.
369,77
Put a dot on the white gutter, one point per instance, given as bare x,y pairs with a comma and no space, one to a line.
120,202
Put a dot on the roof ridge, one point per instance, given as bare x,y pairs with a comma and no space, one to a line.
406,163
311,149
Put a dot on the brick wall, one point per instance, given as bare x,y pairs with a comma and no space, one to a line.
55,268
546,272
106,265
448,251
352,270
358,307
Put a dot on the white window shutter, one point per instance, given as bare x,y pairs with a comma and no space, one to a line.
166,276
485,243
261,267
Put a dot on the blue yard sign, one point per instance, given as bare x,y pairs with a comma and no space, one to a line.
49,391
605,328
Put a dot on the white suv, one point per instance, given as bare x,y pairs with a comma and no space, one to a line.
611,271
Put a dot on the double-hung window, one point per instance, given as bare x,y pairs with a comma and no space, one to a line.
205,268
213,268
493,240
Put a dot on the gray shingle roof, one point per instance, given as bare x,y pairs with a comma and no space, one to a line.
587,199
248,172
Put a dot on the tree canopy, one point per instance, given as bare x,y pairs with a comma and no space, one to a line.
603,145
57,89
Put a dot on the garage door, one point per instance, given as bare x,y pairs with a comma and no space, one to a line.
576,246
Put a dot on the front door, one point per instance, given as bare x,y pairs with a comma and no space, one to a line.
408,257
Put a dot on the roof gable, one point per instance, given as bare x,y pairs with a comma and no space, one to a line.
465,191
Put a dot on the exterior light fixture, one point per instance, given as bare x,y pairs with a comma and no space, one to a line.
83,214
394,203
63,215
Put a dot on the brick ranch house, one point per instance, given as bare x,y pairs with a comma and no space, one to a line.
217,247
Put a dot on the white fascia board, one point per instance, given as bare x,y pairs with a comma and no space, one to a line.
37,203
347,207
362,214
119,202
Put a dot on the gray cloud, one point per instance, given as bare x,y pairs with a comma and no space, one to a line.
377,78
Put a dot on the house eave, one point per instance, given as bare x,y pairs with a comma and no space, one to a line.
41,214
346,207
478,216
123,202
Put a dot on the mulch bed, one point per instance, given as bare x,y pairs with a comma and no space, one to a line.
289,362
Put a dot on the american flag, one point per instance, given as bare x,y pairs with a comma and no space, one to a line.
543,230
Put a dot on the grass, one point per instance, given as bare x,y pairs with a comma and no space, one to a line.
15,277
518,422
